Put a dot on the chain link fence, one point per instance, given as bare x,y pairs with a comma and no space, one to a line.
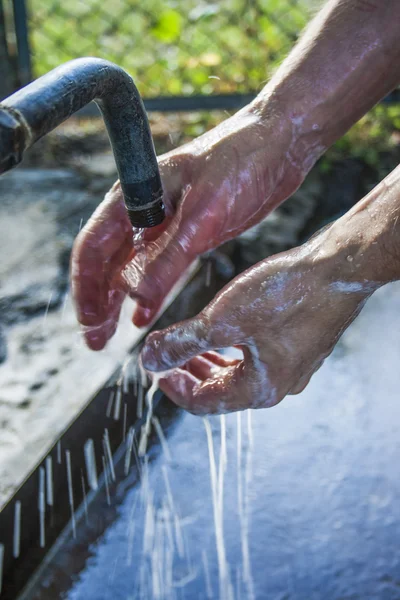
183,54
171,48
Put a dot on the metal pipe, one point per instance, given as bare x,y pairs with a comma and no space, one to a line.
36,109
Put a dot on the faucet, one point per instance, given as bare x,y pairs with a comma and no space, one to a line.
36,109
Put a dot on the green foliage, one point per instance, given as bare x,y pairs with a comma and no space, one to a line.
168,27
174,47
378,132
171,46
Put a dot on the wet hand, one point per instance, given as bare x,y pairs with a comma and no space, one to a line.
286,314
214,188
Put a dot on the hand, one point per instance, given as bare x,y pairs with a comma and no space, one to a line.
286,314
214,188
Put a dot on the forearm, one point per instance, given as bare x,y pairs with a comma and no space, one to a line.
365,242
345,62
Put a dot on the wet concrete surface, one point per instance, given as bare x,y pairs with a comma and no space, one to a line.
317,478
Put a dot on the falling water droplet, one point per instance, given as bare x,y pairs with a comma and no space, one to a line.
49,481
17,529
70,491
90,461
108,453
42,507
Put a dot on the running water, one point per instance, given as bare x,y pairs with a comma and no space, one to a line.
225,586
138,238
163,440
146,428
134,270
243,504
167,566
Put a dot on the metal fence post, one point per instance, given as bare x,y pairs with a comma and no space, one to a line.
23,49
6,67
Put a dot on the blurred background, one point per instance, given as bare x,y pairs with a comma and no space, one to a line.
195,63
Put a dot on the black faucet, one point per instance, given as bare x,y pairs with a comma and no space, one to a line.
36,109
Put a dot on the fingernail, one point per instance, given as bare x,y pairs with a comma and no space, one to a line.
143,316
90,309
96,340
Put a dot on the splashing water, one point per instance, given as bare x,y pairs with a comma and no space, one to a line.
49,481
117,405
138,238
42,507
105,471
17,529
166,565
90,461
108,454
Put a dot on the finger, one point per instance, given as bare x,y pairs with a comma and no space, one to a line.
174,346
100,249
202,368
237,387
219,359
153,274
96,337
208,365
245,385
178,384
103,248
142,316
158,266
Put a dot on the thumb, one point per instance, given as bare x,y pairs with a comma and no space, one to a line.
174,346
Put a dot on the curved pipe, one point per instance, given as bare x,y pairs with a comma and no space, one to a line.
36,109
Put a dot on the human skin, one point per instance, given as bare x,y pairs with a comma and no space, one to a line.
286,313
230,178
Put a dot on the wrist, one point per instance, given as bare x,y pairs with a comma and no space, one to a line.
305,131
364,244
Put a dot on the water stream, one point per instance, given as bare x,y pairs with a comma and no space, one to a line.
296,502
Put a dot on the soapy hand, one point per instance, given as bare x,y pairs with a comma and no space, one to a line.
214,188
286,314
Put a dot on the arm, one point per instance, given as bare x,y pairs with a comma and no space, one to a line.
230,178
343,65
286,313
